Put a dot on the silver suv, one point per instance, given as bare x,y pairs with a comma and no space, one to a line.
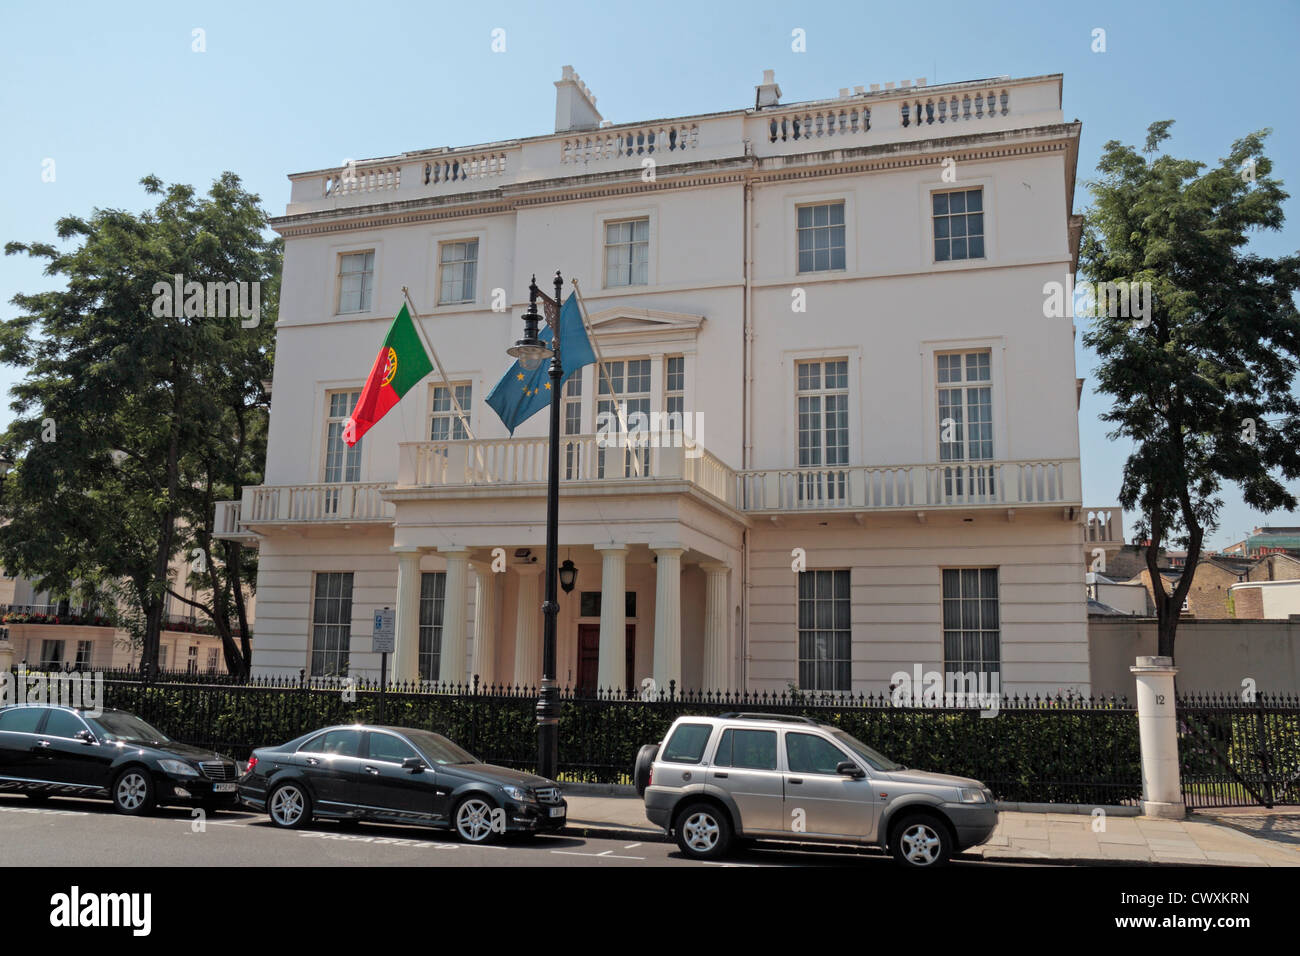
774,777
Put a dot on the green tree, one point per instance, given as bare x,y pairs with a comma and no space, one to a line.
135,411
1203,389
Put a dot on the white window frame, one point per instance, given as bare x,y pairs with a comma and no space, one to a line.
600,217
470,290
996,346
366,304
791,235
358,448
436,604
312,623
925,209
837,633
631,246
829,227
449,413
960,666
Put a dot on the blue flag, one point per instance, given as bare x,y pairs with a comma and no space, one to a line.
521,394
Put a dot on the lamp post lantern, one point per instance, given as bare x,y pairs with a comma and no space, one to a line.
531,351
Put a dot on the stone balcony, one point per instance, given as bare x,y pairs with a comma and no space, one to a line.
517,467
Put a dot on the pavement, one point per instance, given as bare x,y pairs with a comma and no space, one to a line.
1222,837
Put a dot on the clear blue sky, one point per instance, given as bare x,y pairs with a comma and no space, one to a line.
112,92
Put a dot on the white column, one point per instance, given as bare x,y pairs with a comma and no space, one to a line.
1162,794
485,624
528,626
612,672
716,675
668,618
452,656
406,651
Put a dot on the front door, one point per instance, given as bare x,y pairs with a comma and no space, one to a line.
826,802
588,658
386,789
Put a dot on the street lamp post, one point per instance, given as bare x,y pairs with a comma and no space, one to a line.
531,352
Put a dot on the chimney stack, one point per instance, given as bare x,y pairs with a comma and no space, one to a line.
767,93
575,107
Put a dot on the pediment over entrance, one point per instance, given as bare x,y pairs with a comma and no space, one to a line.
645,325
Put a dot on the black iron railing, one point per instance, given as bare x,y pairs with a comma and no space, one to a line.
1036,749
1234,752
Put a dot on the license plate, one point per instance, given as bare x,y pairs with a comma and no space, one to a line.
223,788
557,811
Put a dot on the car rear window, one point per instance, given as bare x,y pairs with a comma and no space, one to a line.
21,721
687,743
340,743
747,749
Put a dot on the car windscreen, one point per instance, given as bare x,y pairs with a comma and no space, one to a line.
112,726
437,749
870,755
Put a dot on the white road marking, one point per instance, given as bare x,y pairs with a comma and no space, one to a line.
631,846
607,855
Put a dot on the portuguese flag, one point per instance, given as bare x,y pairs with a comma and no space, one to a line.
401,363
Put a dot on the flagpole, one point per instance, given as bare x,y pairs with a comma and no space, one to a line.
600,364
451,391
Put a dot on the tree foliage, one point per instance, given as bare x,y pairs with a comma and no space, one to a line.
1204,391
131,424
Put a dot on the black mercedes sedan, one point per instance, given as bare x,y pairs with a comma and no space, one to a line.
46,751
397,775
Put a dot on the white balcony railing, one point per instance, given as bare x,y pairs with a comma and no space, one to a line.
582,459
954,484
1104,525
321,502
523,461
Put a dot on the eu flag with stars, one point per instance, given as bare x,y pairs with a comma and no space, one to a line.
521,394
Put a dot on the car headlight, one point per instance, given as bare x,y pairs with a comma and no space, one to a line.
518,793
178,768
971,795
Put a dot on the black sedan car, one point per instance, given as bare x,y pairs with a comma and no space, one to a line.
48,751
397,775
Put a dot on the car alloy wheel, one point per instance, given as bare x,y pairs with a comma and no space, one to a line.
474,820
132,793
288,806
921,844
703,831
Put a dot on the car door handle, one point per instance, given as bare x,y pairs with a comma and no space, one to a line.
312,761
373,770
796,779
720,776
42,743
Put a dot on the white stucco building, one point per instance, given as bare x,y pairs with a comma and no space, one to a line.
850,293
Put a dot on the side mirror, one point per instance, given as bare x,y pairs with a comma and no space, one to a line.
85,736
849,769
413,764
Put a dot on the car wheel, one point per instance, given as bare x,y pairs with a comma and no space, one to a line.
133,792
289,806
645,758
473,819
703,831
920,841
